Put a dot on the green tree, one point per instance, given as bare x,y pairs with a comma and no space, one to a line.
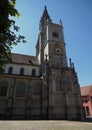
8,36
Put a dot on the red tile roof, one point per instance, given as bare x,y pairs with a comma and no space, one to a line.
24,59
85,90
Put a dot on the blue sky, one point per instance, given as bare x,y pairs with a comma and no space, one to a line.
76,16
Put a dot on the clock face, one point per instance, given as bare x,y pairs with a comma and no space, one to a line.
58,51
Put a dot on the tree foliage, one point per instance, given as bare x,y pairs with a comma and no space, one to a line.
8,36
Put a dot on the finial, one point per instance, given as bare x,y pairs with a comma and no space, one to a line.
45,7
73,66
70,62
60,22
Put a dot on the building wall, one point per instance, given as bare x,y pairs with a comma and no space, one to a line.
28,98
24,102
90,98
27,69
86,95
87,104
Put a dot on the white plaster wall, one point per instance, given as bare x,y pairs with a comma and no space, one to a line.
39,58
46,51
27,69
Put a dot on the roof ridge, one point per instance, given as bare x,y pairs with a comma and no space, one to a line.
90,85
23,55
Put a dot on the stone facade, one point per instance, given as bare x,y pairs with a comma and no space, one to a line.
41,86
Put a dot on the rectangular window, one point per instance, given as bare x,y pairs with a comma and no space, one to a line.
10,70
91,98
86,101
87,111
22,71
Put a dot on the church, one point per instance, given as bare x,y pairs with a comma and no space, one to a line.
42,86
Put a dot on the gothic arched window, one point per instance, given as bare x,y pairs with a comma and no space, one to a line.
36,89
3,88
10,70
21,71
33,72
58,84
55,34
21,90
67,84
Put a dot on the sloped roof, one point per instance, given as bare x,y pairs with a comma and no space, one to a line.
24,59
85,90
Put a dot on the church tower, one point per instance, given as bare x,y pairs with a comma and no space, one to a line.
42,86
51,41
60,90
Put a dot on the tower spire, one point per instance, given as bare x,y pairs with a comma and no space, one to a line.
45,19
45,13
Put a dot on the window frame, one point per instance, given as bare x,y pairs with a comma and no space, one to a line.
55,34
10,70
33,72
20,90
22,70
58,84
3,89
